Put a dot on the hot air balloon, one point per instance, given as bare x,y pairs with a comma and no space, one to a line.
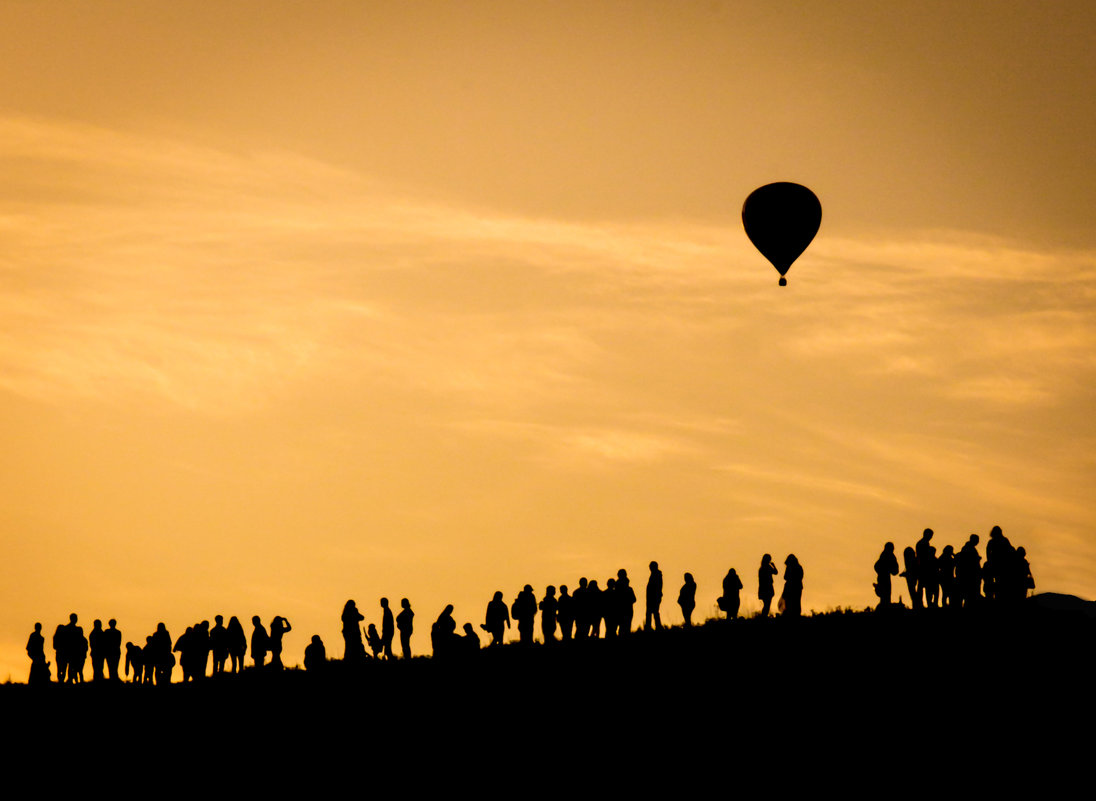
781,219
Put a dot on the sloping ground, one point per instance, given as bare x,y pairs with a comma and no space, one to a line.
757,698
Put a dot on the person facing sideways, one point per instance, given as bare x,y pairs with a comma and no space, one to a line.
405,625
279,627
945,573
388,630
653,614
792,597
968,572
581,604
765,591
36,650
112,648
548,608
686,599
61,651
885,567
260,642
496,619
237,643
315,655
352,633
731,599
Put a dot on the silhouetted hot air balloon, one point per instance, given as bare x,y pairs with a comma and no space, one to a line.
781,220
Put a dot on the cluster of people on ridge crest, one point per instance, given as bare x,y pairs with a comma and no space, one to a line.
947,579
954,580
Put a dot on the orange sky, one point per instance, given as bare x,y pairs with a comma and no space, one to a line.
308,302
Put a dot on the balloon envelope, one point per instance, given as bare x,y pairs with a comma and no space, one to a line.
781,219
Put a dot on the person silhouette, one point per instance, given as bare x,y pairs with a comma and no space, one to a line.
765,591
524,611
405,624
388,630
496,619
731,600
78,651
610,608
237,643
218,644
1027,581
373,640
148,660
61,652
625,603
653,614
112,648
163,660
352,633
968,572
443,632
999,572
135,660
581,604
548,609
792,597
186,654
885,567
909,562
945,573
686,599
95,643
592,596
315,655
469,643
260,642
36,650
279,627
565,613
928,582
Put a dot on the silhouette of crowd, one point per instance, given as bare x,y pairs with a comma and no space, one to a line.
588,612
953,580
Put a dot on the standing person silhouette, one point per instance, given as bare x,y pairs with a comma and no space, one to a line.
909,562
524,611
112,648
581,604
61,651
968,572
279,626
218,644
654,598
885,567
352,633
928,582
496,619
95,642
626,603
945,572
565,613
405,623
388,630
731,600
548,607
260,642
36,650
443,633
78,654
765,591
237,643
686,599
792,596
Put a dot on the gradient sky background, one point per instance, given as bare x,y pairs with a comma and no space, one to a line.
302,302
